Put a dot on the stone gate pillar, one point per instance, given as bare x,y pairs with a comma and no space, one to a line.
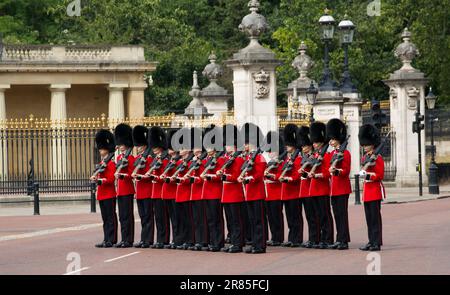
254,81
3,135
407,87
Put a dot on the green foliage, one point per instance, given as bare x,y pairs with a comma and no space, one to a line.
180,34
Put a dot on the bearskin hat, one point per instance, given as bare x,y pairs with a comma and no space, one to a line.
213,139
337,130
303,136
104,139
140,135
252,134
274,139
123,135
369,135
157,138
196,138
230,134
290,135
317,132
169,136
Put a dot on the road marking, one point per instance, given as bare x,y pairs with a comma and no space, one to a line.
49,231
120,257
76,271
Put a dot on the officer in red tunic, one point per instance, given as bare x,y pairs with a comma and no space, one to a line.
169,188
373,174
340,181
311,214
252,176
185,237
274,206
320,185
143,186
106,193
232,193
290,180
196,167
158,144
124,184
212,188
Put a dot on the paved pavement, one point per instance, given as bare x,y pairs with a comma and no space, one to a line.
416,237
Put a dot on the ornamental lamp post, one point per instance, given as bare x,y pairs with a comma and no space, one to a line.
327,24
347,29
433,183
311,95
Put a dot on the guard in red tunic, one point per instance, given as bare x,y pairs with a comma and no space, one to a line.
196,167
143,186
274,206
183,208
252,176
106,193
340,180
232,193
311,214
320,184
290,187
169,188
158,144
373,174
124,184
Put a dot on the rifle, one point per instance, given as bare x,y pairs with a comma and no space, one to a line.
211,164
288,165
140,164
122,163
248,165
229,162
196,163
173,161
274,163
307,160
182,166
319,159
370,161
101,168
157,162
339,156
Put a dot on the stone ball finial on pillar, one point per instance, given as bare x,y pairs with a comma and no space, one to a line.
303,63
407,51
213,71
254,24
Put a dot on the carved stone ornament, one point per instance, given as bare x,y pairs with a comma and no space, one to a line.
262,83
406,51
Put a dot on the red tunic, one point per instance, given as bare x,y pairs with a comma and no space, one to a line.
125,186
290,189
144,186
305,184
169,189
255,189
340,184
233,191
158,182
197,185
106,190
183,188
212,187
273,186
321,186
373,188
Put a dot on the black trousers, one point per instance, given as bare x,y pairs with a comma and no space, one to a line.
170,205
126,217
258,223
247,224
214,217
312,218
109,217
372,210
276,220
200,222
340,212
184,224
235,219
295,223
323,207
162,221
145,209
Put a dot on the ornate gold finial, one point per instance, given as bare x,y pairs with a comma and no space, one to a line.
327,11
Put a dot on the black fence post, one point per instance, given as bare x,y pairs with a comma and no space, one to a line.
357,191
36,198
93,200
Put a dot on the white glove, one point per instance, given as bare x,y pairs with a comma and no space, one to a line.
362,173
